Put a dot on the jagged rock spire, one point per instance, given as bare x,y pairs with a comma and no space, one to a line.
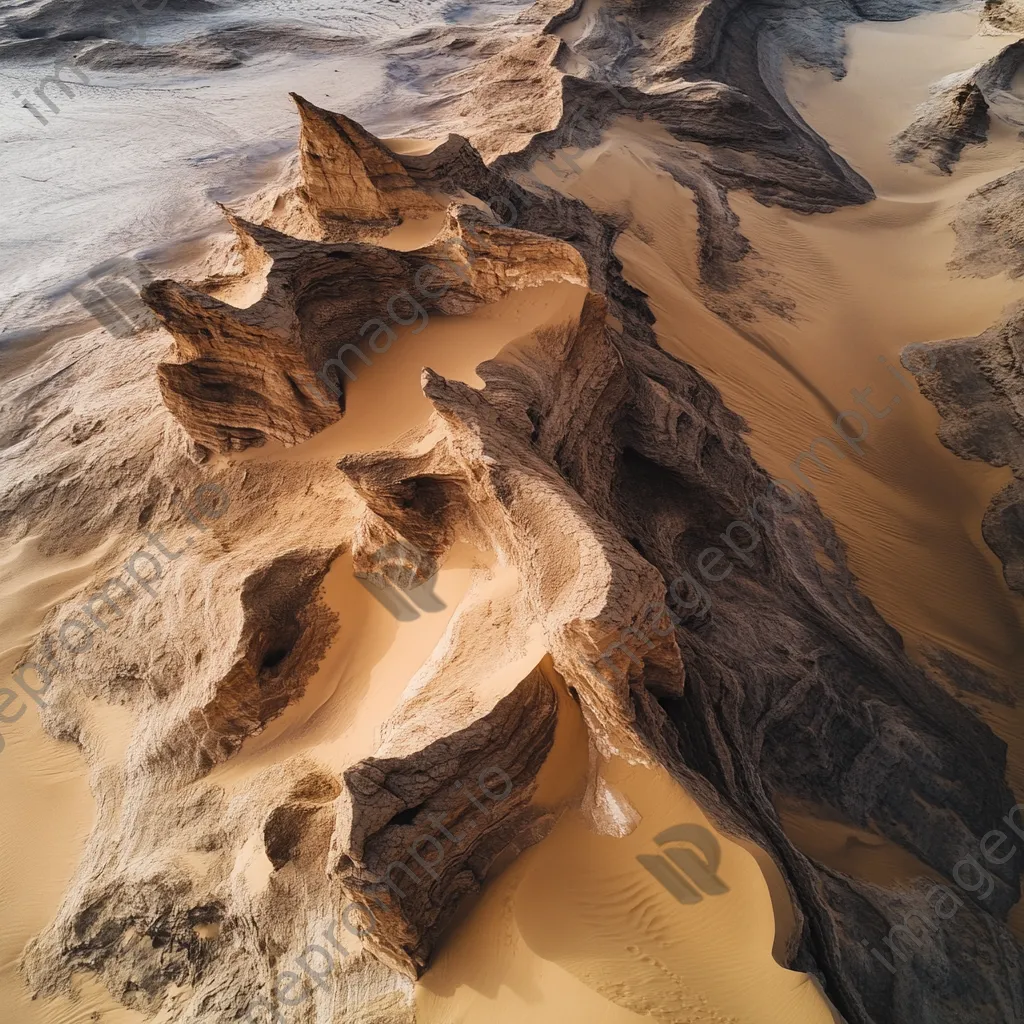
350,175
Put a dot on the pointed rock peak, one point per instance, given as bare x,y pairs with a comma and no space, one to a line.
316,119
267,239
187,312
350,175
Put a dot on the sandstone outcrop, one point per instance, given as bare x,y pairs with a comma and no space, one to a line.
276,369
959,111
1007,15
351,182
598,469
417,813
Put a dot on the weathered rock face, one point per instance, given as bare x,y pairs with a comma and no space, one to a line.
600,469
276,369
350,182
417,834
958,112
636,452
990,230
957,119
1005,14
977,384
711,77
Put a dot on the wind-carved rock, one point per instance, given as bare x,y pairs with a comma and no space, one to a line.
977,385
418,833
959,111
351,181
1005,14
599,467
275,369
671,673
596,468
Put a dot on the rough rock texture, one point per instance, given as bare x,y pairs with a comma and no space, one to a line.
958,112
1007,15
674,477
952,121
977,384
594,465
390,802
711,77
990,229
274,369
349,180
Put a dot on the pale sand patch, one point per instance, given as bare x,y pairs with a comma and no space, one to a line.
890,69
47,812
409,146
575,30
38,851
45,803
414,233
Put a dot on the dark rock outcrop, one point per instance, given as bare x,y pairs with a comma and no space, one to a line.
977,384
959,111
417,834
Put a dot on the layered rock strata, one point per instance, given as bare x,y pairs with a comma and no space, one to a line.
276,369
601,470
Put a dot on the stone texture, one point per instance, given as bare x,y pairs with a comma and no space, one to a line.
977,385
599,467
959,111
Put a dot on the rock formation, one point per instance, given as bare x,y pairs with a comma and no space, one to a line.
275,369
1005,14
597,467
958,112
411,811
989,235
977,384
